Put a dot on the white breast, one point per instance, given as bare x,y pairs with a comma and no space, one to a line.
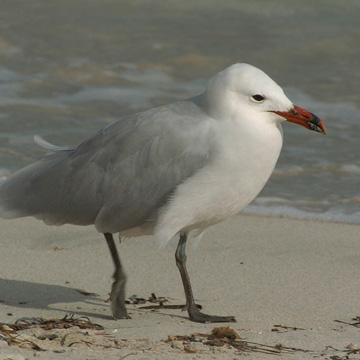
233,178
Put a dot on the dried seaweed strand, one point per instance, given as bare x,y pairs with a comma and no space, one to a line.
222,336
48,324
356,323
12,339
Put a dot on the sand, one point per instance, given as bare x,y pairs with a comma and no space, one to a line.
289,282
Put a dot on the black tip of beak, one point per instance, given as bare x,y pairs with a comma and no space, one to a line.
316,124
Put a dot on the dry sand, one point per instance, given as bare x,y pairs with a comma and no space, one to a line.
286,281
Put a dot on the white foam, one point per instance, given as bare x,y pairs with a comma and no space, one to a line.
291,212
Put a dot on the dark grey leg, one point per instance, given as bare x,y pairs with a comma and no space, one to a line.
117,295
194,312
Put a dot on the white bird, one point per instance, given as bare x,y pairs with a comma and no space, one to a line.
166,171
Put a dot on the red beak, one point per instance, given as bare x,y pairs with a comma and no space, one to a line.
303,117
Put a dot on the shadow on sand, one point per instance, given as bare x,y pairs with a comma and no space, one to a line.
30,295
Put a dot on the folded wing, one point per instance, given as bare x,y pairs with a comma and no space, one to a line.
118,179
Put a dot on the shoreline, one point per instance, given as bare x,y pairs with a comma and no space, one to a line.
297,214
267,271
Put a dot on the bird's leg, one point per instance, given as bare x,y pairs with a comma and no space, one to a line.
117,295
194,312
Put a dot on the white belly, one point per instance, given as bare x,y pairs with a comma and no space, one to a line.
231,180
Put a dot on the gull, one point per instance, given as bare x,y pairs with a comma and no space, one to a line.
165,172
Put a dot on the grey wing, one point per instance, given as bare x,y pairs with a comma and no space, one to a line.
117,180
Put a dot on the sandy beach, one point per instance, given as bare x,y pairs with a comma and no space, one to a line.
292,285
71,68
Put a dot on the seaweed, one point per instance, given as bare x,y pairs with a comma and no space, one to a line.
226,336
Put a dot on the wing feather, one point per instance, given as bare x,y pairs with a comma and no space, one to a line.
119,178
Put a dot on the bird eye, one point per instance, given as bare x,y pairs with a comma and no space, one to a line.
258,97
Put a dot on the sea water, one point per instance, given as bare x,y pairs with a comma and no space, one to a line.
69,68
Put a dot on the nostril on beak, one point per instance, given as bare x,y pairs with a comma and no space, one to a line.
293,111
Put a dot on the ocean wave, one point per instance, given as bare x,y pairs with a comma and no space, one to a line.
285,211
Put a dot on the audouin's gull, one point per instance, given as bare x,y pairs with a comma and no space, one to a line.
166,171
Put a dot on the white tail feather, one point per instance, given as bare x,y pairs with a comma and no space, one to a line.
46,145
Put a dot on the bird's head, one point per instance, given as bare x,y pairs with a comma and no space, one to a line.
245,91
